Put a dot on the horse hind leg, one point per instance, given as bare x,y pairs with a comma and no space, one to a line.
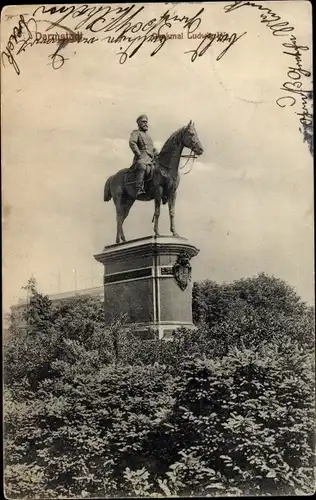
127,205
123,206
119,220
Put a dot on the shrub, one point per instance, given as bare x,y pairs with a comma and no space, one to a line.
226,409
30,350
241,424
249,417
250,311
83,430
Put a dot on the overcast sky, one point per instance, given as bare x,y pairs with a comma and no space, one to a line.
247,203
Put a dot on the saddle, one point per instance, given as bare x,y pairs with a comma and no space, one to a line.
130,174
130,179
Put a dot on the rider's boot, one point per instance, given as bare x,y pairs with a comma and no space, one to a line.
140,183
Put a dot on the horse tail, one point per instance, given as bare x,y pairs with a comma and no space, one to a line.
107,190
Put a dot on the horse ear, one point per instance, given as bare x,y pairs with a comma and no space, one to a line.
190,123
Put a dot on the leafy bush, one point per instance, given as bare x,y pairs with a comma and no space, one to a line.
31,348
243,423
226,409
250,311
81,430
249,417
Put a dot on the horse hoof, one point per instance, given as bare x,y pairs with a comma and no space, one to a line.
176,235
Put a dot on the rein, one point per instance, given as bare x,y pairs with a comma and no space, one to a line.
190,156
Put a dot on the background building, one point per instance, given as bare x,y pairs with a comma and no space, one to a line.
19,308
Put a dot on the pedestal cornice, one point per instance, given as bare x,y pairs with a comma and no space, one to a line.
144,246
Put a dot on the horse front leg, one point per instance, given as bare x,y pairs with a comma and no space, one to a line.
122,232
119,229
172,203
157,211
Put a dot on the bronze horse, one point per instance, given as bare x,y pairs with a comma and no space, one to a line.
162,184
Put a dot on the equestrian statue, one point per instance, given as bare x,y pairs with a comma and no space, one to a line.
152,176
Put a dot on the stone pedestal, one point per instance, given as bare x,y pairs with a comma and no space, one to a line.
149,281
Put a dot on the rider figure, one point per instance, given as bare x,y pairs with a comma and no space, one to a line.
144,151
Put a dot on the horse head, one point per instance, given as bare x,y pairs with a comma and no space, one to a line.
190,139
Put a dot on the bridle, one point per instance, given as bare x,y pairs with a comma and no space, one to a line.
190,156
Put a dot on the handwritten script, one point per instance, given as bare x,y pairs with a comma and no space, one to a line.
121,25
269,18
22,37
294,88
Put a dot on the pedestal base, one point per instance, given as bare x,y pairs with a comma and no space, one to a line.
147,282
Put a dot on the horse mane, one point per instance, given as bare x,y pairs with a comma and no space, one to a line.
171,141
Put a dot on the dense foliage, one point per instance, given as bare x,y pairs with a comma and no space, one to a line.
227,409
248,311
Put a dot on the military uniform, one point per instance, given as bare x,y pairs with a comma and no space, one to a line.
144,153
143,147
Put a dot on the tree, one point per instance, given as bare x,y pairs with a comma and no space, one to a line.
54,332
38,311
249,311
